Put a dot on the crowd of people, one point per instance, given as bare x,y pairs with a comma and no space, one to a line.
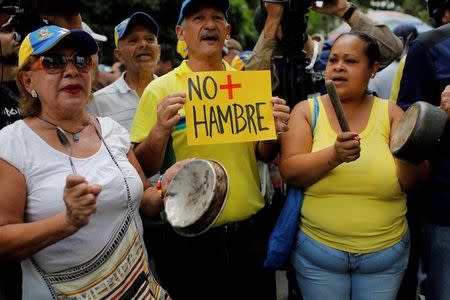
80,217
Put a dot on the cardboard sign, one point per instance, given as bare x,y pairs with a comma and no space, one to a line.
228,107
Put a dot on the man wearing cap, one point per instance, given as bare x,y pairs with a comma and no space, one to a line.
137,48
226,261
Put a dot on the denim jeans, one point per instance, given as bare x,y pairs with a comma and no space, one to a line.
323,272
436,261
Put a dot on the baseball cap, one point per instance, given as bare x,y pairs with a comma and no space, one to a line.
96,36
240,60
45,38
136,18
406,32
189,6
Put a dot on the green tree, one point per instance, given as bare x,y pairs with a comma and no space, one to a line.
240,17
416,8
104,15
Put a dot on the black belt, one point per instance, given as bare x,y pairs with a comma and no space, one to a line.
255,220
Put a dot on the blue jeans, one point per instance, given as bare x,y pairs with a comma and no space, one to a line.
323,272
436,261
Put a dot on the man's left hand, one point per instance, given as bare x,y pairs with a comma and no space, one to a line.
445,101
281,114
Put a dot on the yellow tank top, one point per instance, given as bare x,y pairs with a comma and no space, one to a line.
358,207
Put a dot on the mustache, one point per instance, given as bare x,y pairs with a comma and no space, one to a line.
209,35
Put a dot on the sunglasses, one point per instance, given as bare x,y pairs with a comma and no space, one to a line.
57,63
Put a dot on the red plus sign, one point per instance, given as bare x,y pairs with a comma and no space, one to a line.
229,86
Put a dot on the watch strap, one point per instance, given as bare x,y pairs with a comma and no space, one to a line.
349,12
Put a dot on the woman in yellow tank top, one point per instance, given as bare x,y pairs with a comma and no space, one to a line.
353,241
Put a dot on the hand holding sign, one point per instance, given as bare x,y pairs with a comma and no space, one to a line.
168,109
281,114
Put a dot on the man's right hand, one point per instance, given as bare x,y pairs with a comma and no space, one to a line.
332,7
445,101
274,10
172,171
168,115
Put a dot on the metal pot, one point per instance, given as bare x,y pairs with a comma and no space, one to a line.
418,132
196,196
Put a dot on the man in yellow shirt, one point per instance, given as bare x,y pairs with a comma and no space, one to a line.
226,261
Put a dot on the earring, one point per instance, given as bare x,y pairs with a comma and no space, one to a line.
33,93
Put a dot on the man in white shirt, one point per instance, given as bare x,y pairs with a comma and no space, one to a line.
137,48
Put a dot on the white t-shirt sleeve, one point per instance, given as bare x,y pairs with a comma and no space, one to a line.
13,145
116,136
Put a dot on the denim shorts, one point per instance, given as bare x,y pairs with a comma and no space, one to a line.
323,272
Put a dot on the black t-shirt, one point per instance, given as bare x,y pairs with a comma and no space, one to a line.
10,273
9,106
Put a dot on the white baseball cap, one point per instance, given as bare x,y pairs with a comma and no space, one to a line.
96,36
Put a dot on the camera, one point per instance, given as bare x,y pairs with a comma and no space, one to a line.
26,14
296,82
290,58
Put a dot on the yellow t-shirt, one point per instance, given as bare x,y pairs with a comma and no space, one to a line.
397,80
244,198
358,207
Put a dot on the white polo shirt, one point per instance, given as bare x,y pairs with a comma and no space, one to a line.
117,101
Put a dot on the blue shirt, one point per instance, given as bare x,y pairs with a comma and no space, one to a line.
426,74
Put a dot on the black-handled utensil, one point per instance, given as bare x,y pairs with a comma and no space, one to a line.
66,144
337,105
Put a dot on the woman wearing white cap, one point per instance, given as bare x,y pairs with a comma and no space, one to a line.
71,188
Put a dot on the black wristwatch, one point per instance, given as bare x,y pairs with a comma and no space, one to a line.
349,12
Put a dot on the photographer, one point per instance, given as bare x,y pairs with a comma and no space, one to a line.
29,15
271,36
10,273
9,46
